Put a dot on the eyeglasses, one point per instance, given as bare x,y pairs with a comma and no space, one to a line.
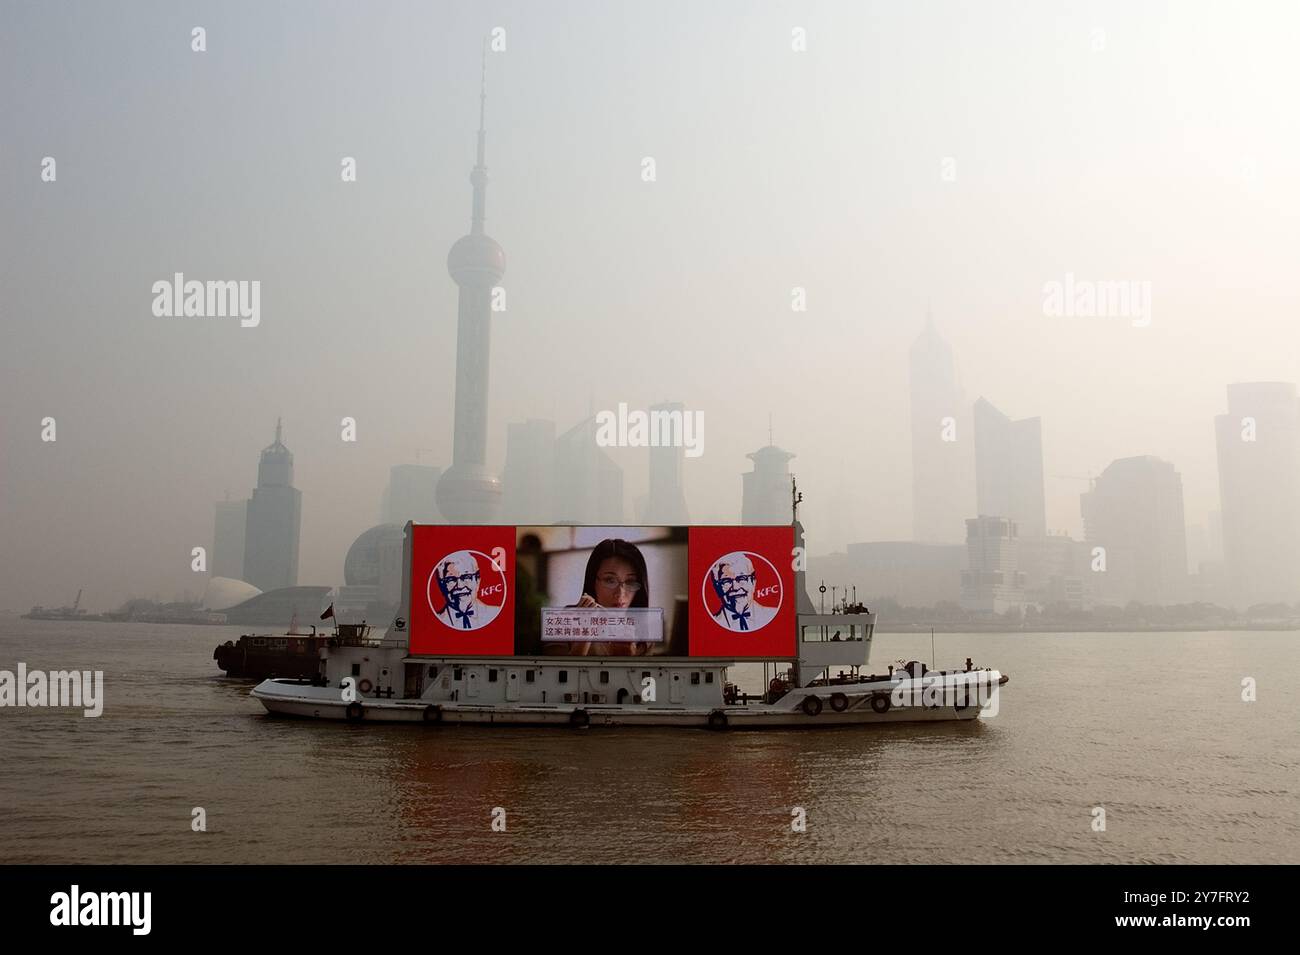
613,583
466,579
742,579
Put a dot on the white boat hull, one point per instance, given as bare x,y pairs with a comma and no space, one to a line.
288,698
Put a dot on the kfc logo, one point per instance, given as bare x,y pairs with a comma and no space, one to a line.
466,590
742,591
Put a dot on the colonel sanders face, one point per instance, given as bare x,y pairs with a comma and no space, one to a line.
733,581
458,581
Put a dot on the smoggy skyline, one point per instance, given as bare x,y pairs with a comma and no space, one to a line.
910,159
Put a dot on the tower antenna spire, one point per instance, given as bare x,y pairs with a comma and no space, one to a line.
479,176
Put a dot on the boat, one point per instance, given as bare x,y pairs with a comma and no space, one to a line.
501,625
292,656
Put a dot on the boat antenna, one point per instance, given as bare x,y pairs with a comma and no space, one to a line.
796,496
932,663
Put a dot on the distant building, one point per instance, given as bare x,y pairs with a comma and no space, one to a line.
528,480
273,522
992,582
666,502
942,443
765,491
1135,511
1009,469
588,484
228,539
1259,490
223,592
279,608
372,574
909,573
1056,570
411,495
469,492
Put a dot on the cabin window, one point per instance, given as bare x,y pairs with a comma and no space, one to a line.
259,641
433,671
564,676
492,675
356,669
530,676
695,678
708,677
455,674
604,676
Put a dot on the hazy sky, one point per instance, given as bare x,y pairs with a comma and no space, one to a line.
1168,155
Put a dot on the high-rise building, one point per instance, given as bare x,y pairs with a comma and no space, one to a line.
469,492
228,539
942,445
411,495
528,480
765,491
1259,491
1009,469
1135,511
992,582
1056,570
273,522
911,574
588,484
666,503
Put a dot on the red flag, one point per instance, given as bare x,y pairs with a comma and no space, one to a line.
329,612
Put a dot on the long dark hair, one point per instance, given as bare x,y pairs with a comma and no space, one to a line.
617,547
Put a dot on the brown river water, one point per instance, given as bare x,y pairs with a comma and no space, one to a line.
1151,727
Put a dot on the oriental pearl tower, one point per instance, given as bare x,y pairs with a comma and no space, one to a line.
468,492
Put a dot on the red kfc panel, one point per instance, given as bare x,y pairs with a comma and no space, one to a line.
462,599
742,592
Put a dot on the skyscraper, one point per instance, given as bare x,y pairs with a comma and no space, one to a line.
588,484
411,495
992,582
1009,469
228,539
1259,489
765,491
666,503
468,491
528,481
274,521
1135,511
942,455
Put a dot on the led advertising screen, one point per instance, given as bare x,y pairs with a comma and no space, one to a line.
578,591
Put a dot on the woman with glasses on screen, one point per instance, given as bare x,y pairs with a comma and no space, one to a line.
615,578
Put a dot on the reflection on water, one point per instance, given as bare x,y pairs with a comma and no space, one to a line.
1150,726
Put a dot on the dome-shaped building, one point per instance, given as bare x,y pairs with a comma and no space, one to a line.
364,565
372,574
223,593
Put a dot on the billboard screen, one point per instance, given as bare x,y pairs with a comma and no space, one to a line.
574,591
